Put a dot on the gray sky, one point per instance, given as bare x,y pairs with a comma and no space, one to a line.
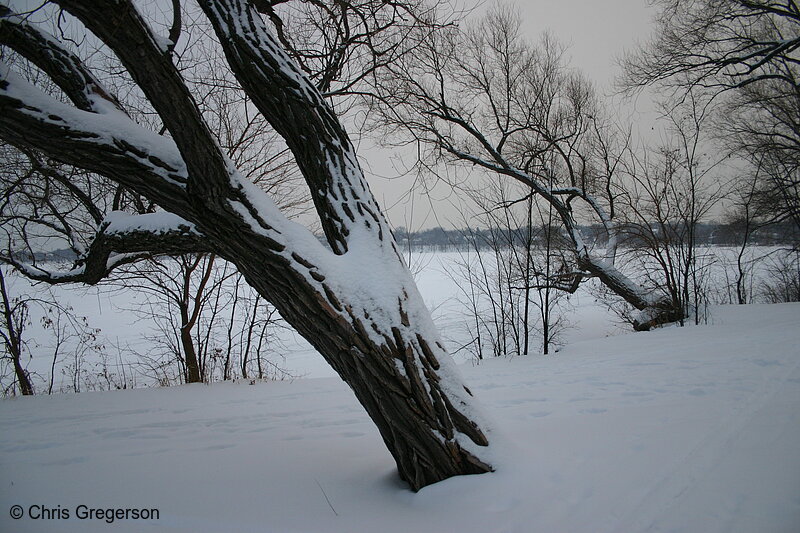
597,33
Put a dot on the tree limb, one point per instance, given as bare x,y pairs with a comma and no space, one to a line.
111,145
122,240
63,67
298,112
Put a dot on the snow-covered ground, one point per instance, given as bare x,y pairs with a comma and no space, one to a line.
682,429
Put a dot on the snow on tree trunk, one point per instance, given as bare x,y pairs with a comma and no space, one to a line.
355,301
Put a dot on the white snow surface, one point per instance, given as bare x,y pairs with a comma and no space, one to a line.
160,222
691,429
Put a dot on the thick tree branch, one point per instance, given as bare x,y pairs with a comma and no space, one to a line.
119,25
175,29
120,240
213,185
109,144
63,67
297,111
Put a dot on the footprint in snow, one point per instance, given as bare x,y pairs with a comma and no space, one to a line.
593,411
764,363
67,461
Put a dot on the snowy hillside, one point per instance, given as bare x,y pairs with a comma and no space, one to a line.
693,429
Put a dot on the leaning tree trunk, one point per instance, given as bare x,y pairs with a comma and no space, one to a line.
654,311
356,301
395,364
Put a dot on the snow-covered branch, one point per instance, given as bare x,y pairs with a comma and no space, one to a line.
109,144
63,67
296,109
122,239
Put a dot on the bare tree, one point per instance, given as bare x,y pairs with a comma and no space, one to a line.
513,252
15,318
761,122
208,323
669,192
373,329
745,217
744,53
63,343
483,97
719,44
782,283
175,294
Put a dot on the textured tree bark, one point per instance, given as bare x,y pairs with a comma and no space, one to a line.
393,372
23,380
380,339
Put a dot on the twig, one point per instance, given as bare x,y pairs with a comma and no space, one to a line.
326,498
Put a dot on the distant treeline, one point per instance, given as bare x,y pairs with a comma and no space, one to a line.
450,239
719,234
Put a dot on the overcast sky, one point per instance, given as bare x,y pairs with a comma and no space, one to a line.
597,33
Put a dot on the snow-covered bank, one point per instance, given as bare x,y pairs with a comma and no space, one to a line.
681,429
